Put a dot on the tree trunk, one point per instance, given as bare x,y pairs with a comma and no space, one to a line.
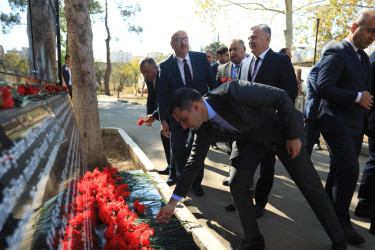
109,66
44,40
143,88
83,81
288,32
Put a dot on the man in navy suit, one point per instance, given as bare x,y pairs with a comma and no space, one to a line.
150,72
311,110
274,69
366,193
344,85
182,69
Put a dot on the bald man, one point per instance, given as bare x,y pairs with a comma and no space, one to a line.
344,85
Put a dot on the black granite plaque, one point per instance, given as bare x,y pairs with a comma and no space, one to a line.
40,152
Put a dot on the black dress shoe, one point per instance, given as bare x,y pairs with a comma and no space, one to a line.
165,171
256,244
198,190
171,180
226,182
352,237
214,146
230,207
259,210
372,225
342,245
362,210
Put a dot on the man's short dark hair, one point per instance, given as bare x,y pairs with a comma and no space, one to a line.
67,56
222,50
283,51
148,60
209,51
182,98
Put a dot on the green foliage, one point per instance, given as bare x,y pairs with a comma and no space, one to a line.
16,64
213,47
128,13
8,21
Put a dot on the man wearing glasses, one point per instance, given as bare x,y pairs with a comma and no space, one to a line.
182,69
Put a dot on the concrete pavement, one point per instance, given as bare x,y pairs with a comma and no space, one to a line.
288,222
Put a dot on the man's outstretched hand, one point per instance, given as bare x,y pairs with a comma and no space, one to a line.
167,211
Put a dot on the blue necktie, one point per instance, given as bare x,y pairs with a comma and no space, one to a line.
187,72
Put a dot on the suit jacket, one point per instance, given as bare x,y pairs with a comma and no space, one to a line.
250,108
214,68
312,103
341,77
225,71
152,104
277,70
371,120
170,79
65,74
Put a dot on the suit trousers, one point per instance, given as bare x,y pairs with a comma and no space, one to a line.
265,181
366,192
167,151
344,170
180,150
312,135
303,173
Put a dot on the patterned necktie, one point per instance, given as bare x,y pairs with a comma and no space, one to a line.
187,72
237,71
253,68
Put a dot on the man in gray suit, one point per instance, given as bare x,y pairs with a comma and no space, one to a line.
245,113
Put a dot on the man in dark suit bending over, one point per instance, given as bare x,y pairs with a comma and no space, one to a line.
245,113
182,69
344,85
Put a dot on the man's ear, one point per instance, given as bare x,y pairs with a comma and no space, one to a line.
195,106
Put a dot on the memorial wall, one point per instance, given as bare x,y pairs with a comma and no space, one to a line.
40,153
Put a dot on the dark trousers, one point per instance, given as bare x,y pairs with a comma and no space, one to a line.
312,135
343,174
70,90
167,150
265,181
366,192
181,149
300,169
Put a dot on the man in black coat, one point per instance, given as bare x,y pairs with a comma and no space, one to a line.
183,68
344,85
67,74
245,113
150,72
274,69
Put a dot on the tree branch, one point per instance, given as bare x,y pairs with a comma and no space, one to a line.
262,7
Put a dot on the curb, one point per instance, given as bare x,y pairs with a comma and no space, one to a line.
202,237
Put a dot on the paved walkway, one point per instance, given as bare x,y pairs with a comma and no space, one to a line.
288,222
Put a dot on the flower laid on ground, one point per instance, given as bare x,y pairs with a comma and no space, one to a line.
141,121
6,100
25,94
98,199
223,80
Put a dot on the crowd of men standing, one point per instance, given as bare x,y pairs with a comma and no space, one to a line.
339,105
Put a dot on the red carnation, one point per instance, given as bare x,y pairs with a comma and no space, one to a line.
229,79
223,80
6,100
141,121
141,208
